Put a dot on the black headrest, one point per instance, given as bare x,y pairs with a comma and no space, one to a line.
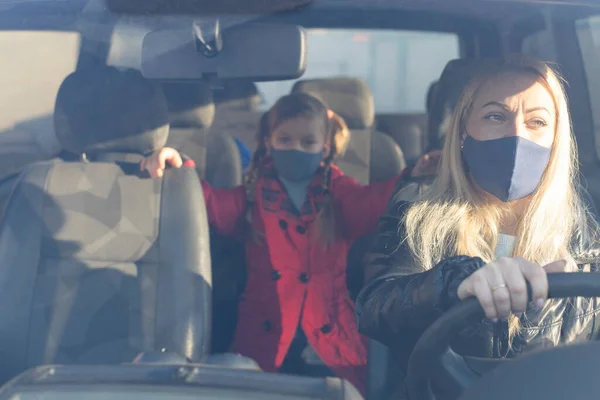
431,93
238,95
350,98
190,104
447,92
102,109
454,78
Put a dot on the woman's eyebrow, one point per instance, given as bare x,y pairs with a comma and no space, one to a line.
504,106
496,103
537,109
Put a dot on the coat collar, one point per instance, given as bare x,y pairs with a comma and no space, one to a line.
273,196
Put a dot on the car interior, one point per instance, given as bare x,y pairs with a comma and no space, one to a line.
112,283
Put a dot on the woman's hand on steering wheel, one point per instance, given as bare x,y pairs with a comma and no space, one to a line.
501,285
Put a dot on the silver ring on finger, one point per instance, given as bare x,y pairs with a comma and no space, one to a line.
503,285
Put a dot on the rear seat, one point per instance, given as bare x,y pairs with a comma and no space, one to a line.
371,156
191,114
237,113
408,131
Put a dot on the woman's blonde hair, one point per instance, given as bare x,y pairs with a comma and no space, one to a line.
300,105
452,218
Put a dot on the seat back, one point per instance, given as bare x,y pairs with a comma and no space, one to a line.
409,131
352,99
100,262
191,114
237,114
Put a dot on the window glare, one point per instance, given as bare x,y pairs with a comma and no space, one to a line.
399,66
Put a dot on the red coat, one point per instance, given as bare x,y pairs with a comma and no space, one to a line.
293,280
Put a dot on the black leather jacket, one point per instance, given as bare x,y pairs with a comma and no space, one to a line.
399,301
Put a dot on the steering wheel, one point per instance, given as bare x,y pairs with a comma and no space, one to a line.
433,357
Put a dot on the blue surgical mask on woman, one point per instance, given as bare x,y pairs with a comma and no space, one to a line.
509,168
296,165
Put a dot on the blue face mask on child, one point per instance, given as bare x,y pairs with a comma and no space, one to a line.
296,165
509,168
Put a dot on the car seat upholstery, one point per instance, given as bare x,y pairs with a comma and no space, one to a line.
447,92
100,262
431,95
371,156
191,114
237,111
408,131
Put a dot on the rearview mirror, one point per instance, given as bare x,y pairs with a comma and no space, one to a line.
258,52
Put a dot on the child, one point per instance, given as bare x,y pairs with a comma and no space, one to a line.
297,214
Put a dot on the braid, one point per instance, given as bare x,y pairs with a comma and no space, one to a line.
326,221
254,171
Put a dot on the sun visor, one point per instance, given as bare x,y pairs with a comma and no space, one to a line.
257,52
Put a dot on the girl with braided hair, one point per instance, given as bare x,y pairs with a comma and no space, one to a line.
297,215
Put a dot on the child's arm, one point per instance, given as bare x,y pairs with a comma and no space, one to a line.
361,206
224,207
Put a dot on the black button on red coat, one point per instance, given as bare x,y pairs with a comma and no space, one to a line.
275,275
283,224
304,277
267,326
300,229
326,328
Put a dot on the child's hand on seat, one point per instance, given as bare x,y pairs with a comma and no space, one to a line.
156,162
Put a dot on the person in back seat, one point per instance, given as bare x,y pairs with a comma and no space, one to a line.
505,210
297,214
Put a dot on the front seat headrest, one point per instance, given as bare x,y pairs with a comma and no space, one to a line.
190,104
447,92
455,77
103,109
350,98
238,95
431,94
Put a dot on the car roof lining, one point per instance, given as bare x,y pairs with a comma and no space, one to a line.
446,15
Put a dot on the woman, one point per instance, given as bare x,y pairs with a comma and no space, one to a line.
504,211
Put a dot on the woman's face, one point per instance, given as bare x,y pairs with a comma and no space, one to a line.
513,104
302,134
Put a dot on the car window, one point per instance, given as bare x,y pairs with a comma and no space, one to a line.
31,79
39,62
399,66
540,45
588,33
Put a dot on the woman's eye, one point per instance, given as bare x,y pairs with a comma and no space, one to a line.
495,117
284,140
538,123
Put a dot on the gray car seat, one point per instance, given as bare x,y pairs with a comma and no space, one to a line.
371,156
191,114
409,131
100,262
237,111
